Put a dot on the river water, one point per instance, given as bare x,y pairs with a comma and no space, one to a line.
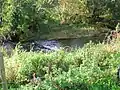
48,45
80,42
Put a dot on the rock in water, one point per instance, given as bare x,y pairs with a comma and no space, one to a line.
46,45
50,44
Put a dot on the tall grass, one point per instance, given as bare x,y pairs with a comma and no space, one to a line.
92,67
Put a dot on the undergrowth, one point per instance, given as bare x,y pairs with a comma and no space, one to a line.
93,67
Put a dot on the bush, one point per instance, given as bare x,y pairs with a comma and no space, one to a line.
32,16
22,18
85,68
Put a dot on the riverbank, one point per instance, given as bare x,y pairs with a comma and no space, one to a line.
66,32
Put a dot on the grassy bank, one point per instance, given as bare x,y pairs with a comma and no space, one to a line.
92,67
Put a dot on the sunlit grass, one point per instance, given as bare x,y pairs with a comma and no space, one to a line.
94,64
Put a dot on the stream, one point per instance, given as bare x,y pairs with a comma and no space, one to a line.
50,45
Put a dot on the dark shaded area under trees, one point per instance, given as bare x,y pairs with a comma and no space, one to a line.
21,18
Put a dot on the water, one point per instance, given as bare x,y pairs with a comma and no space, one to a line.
80,42
52,45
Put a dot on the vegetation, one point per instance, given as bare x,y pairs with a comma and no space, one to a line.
93,67
25,18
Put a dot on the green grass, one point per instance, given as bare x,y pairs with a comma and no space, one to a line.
92,67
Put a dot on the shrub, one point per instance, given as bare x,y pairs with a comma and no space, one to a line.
84,68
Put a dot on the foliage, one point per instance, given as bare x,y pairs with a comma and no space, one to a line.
26,17
92,67
22,17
